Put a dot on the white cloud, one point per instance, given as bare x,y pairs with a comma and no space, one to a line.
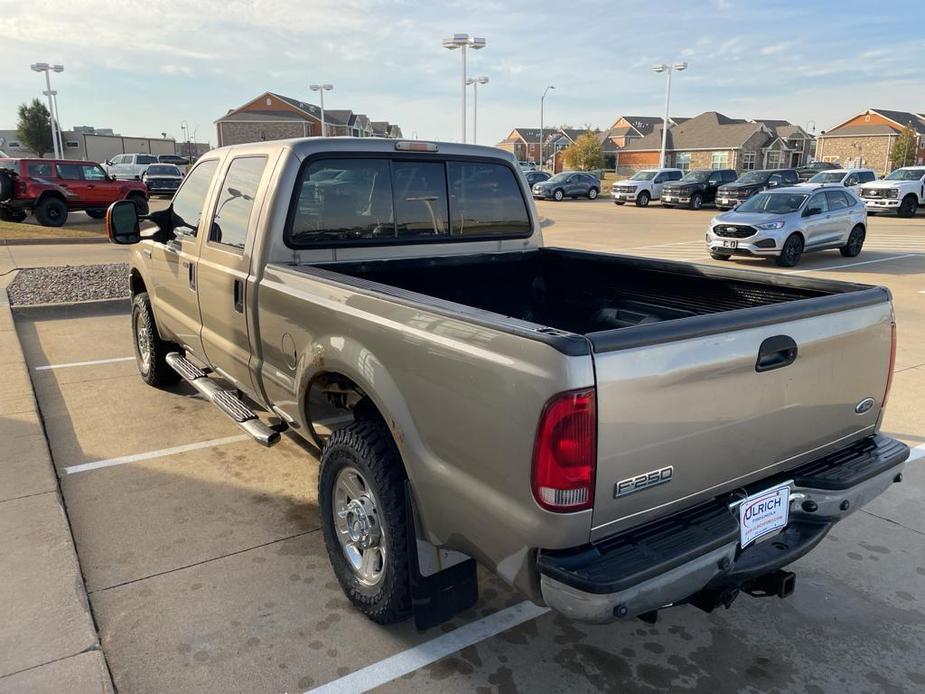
775,48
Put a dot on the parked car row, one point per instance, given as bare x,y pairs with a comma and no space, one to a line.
133,166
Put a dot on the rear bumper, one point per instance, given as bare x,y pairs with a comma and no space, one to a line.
696,553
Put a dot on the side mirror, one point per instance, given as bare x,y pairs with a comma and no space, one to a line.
812,211
122,225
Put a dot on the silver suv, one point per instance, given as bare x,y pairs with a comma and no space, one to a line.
784,223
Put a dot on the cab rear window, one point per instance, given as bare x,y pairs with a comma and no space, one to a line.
373,201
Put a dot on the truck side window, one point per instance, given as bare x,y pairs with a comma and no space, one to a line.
236,201
69,172
191,198
485,200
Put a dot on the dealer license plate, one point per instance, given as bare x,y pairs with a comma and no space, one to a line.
730,244
763,513
726,201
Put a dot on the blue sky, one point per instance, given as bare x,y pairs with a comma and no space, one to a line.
142,66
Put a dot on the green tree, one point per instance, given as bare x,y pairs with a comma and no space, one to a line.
34,127
585,154
904,149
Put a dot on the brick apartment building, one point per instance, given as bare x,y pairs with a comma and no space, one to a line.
867,139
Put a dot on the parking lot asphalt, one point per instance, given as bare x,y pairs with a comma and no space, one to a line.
206,572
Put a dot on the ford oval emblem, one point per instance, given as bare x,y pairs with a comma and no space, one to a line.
864,405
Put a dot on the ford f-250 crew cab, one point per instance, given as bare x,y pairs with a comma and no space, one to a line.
610,435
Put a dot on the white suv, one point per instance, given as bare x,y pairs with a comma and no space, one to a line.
129,166
850,178
903,191
643,186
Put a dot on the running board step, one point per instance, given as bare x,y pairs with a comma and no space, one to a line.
225,400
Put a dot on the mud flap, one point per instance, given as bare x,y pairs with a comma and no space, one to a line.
443,583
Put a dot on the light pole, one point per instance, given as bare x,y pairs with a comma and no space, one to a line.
184,128
475,82
542,99
46,68
662,67
463,41
321,89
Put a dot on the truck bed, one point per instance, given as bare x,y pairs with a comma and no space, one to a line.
615,301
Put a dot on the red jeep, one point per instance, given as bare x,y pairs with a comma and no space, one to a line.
50,188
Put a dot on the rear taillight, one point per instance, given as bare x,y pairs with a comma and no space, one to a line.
889,375
565,452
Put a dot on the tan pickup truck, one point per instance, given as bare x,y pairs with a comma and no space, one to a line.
610,435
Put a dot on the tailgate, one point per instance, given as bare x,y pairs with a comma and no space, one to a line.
698,404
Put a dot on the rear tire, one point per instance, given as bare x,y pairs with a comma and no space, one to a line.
642,200
716,255
362,477
150,350
96,214
10,215
51,212
791,251
908,206
852,248
696,201
141,205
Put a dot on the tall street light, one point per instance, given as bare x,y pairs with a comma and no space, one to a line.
321,89
542,99
47,69
662,67
463,41
475,82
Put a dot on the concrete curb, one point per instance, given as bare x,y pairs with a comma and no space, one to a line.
48,630
51,242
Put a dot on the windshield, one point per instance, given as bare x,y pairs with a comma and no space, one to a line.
163,170
773,203
828,177
754,177
696,177
643,175
906,175
558,178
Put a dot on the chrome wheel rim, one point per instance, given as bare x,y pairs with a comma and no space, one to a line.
359,532
142,342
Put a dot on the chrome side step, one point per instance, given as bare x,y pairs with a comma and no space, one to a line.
225,400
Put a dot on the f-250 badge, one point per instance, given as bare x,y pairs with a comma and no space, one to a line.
644,481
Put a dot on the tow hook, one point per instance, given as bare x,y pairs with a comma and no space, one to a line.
777,583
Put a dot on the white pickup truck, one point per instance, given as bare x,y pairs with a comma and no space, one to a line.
643,186
902,192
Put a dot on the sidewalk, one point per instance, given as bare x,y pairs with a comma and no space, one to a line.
48,642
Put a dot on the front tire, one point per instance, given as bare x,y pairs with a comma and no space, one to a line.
908,206
791,252
558,194
51,212
141,205
852,248
361,494
592,194
696,201
642,200
150,350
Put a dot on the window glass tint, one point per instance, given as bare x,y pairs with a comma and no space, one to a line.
836,200
38,169
236,201
91,172
343,199
69,172
819,202
485,200
420,198
866,176
791,176
189,200
145,159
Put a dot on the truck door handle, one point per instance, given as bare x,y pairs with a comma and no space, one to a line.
239,295
191,273
775,353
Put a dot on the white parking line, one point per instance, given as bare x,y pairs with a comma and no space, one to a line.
82,363
916,453
111,462
864,262
415,658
